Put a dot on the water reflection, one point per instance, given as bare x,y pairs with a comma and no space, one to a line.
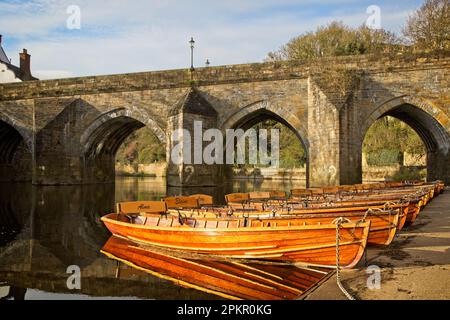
224,278
132,189
44,230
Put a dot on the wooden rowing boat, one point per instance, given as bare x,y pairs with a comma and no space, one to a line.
240,238
413,211
406,208
395,204
384,222
361,190
226,279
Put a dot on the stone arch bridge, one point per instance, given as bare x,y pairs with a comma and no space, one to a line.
67,131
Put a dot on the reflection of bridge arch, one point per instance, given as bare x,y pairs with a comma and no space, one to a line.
260,111
431,124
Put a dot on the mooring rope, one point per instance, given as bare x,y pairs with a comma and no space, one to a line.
338,223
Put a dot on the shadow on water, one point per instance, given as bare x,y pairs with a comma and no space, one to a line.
229,279
44,230
132,189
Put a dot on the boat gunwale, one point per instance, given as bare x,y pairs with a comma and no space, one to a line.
246,229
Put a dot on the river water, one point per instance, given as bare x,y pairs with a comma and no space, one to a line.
48,234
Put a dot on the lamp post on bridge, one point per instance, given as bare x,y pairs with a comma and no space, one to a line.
192,43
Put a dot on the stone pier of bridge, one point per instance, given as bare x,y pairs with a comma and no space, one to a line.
68,131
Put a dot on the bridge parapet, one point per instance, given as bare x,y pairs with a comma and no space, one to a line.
254,72
329,103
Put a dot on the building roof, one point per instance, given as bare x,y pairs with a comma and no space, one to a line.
17,72
3,56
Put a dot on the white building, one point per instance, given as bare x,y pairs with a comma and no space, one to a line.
12,73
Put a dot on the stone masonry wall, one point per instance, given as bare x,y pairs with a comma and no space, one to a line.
65,121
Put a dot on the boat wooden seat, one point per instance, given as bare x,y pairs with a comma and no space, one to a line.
379,186
367,187
237,199
300,193
316,191
278,195
262,196
203,199
346,189
182,202
141,207
331,190
359,188
394,184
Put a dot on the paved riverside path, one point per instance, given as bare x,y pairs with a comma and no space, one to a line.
415,266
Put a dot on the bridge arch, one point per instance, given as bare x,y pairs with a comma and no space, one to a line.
429,122
265,108
25,134
104,136
111,120
15,150
260,111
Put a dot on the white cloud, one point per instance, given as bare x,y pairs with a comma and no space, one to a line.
52,74
121,36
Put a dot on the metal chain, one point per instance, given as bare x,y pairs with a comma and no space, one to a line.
338,223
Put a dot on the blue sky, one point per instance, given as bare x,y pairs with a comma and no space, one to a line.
118,36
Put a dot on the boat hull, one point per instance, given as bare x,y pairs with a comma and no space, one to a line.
310,245
414,209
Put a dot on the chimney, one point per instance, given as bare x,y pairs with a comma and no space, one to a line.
25,66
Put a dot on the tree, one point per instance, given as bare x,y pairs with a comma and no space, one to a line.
429,27
335,39
291,152
141,147
388,138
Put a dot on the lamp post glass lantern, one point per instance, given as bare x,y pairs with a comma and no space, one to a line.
192,43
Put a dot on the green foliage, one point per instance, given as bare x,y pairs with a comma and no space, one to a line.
387,139
292,154
428,28
141,147
384,157
336,39
410,174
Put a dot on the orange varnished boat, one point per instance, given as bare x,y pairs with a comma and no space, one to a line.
413,211
226,279
383,227
404,207
384,223
395,204
241,238
365,191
